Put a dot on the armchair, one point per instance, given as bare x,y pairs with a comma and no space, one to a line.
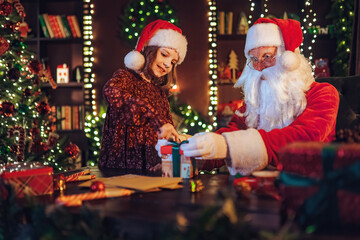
349,107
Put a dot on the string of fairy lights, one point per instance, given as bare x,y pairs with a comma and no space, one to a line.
213,89
88,59
252,8
89,78
308,21
266,10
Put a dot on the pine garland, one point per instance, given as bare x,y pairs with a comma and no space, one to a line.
342,15
137,14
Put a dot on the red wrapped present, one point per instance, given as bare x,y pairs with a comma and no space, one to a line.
30,178
320,183
322,68
175,164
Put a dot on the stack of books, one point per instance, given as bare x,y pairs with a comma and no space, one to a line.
60,26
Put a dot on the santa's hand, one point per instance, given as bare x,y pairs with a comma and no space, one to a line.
159,144
205,146
168,132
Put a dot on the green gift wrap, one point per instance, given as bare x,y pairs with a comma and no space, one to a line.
175,164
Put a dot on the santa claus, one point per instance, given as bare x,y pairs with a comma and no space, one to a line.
282,104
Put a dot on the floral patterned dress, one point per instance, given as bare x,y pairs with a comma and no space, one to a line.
136,111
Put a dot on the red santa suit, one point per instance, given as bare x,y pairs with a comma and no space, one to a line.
284,104
256,148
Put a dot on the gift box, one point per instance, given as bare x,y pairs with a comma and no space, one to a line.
31,178
322,68
175,164
319,184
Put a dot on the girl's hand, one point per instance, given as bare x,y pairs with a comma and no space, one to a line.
168,132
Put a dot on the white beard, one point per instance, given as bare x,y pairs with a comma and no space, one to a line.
277,99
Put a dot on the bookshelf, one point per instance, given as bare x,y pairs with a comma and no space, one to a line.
57,51
230,40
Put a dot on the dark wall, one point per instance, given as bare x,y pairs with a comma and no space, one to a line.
109,50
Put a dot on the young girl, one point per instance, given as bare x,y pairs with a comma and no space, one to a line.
138,109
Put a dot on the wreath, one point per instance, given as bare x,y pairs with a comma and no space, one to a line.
137,14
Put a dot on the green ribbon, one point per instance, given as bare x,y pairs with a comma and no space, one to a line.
321,209
176,158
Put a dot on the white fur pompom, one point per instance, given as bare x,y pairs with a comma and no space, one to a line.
134,60
289,61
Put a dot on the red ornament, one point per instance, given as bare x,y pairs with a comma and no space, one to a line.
6,8
72,150
35,67
7,109
97,186
43,108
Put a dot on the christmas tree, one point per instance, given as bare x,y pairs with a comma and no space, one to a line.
27,122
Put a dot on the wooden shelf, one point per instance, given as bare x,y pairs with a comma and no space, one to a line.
230,37
57,51
65,94
56,40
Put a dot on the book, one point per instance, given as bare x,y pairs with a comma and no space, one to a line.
221,22
55,26
81,117
72,26
61,26
66,26
75,117
48,26
66,113
43,26
58,118
229,22
77,26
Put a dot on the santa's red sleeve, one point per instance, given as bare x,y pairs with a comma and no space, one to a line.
252,149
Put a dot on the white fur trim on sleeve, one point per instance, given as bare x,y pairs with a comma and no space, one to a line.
247,151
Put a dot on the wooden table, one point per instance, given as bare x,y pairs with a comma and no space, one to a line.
147,215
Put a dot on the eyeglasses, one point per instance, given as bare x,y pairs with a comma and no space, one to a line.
266,61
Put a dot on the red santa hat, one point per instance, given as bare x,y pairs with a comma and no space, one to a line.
283,33
157,33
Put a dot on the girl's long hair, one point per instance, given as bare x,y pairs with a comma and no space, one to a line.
165,82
